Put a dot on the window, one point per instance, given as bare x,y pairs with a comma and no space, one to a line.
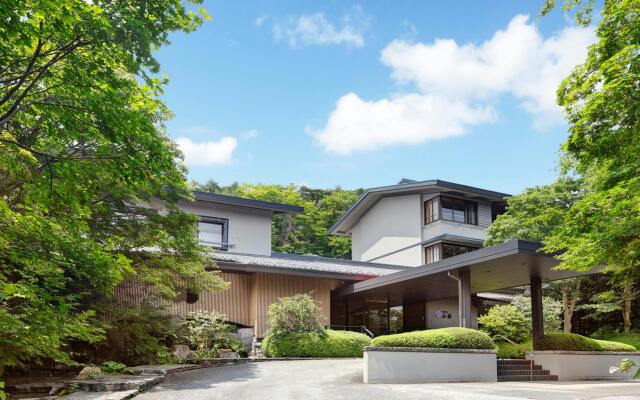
451,209
440,251
450,250
213,232
431,210
432,253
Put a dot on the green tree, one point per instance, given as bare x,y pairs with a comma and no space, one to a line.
551,311
82,154
600,98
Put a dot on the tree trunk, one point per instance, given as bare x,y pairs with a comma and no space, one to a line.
569,300
626,309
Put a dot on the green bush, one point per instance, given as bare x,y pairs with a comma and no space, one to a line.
631,338
574,342
294,314
449,338
113,367
551,311
208,332
505,321
311,344
512,350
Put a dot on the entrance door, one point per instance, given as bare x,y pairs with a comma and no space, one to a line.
413,317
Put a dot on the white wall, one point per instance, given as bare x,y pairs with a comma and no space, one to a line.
391,224
440,227
249,230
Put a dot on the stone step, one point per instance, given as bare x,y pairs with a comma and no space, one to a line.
519,372
514,361
518,367
527,378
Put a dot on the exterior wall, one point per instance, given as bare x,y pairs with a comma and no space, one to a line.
450,305
234,302
269,288
582,365
440,227
414,365
392,224
249,230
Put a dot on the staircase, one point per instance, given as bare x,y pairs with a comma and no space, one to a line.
522,371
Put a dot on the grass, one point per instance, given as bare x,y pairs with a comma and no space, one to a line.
631,338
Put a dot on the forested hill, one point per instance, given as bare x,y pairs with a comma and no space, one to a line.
305,233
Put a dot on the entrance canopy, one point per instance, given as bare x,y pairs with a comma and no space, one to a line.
507,265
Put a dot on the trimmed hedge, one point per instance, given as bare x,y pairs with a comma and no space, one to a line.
444,338
512,350
574,342
311,344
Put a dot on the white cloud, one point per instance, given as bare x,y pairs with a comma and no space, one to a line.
260,20
316,29
208,153
456,87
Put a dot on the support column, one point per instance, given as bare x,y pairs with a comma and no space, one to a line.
537,321
464,298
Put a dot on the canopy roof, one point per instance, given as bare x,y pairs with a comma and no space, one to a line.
503,266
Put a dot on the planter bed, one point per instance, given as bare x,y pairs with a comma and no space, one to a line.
424,365
582,365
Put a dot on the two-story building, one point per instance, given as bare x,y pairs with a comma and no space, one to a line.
418,260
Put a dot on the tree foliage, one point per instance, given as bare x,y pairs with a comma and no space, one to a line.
82,147
505,322
295,314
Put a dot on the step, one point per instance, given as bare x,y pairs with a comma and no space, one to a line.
514,361
524,372
527,378
518,367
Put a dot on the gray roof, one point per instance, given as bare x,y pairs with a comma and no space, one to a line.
407,186
244,202
304,265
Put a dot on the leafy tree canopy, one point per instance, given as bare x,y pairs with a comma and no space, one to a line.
82,149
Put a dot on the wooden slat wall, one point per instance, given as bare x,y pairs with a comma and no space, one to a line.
234,301
271,287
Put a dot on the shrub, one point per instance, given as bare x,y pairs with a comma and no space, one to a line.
574,342
512,350
551,310
632,338
208,332
505,321
296,314
311,344
112,367
449,338
90,372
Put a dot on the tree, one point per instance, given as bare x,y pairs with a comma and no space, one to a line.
551,311
600,98
82,151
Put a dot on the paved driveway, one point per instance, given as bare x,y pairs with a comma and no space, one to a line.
342,379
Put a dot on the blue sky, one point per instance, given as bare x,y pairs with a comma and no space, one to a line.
361,94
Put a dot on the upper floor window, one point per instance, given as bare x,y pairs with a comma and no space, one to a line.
213,232
440,251
451,209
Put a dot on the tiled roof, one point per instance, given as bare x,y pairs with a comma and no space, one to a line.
295,262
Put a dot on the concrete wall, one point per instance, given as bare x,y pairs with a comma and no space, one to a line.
249,230
582,365
415,365
390,225
450,305
440,227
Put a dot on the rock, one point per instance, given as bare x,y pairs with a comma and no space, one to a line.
226,353
182,352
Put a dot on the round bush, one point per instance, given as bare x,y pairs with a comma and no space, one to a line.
505,321
573,342
444,338
312,344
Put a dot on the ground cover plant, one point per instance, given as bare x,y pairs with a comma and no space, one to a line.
574,342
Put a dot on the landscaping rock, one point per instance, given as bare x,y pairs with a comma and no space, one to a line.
182,352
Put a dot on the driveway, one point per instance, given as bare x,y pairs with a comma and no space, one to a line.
342,379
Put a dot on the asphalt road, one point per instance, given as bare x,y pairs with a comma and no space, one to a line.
342,379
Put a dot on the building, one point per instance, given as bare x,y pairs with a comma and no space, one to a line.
418,260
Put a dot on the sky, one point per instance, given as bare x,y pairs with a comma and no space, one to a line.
362,94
